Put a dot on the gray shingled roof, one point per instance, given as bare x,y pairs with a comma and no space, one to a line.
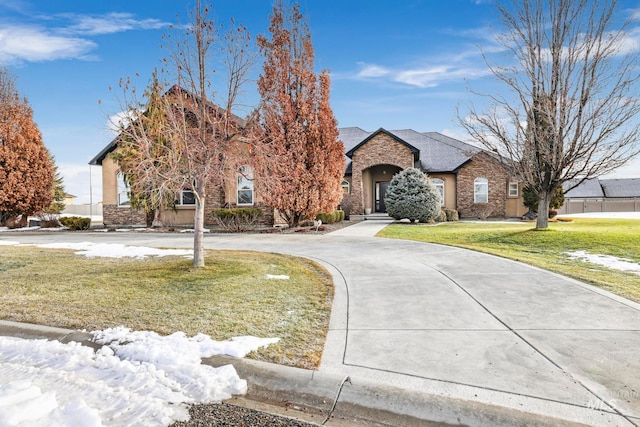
588,188
352,136
438,153
97,160
629,187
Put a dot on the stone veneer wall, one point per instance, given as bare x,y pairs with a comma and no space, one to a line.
482,166
382,149
118,216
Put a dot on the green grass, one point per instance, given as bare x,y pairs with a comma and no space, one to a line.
229,297
544,248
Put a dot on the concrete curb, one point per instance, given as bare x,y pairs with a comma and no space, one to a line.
30,331
357,401
364,401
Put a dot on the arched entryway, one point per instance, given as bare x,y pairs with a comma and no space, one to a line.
376,182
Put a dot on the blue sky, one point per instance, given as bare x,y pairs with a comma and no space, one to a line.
401,64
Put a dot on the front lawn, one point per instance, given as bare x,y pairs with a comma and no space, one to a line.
544,248
232,296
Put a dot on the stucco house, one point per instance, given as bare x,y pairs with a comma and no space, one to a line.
465,176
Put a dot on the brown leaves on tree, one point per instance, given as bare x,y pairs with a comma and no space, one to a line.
26,173
298,159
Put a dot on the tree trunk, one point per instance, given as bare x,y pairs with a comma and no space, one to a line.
198,228
542,220
157,219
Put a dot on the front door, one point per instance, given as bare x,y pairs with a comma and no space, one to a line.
381,192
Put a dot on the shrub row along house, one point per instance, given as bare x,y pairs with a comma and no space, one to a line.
469,179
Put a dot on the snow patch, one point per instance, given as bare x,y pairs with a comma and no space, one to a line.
116,250
137,378
609,261
8,243
277,277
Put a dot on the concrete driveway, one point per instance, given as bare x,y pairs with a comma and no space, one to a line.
455,324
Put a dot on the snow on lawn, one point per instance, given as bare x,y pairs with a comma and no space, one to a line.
277,276
136,378
609,261
116,250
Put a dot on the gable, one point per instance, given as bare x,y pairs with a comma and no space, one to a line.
382,131
174,91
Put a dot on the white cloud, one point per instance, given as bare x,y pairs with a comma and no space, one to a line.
433,76
110,23
422,76
372,71
35,44
64,36
117,121
77,181
630,170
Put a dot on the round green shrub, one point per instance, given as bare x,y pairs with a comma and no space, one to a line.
76,222
412,196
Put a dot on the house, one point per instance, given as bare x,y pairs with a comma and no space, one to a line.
234,190
467,177
69,199
602,195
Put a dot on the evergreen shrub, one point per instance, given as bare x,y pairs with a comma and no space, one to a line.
412,196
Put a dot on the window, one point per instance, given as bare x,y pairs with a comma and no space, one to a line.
481,190
123,191
245,186
345,186
513,189
439,184
187,198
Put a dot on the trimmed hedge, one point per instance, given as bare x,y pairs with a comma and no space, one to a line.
76,222
245,213
330,218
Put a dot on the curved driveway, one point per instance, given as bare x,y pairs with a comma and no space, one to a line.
456,323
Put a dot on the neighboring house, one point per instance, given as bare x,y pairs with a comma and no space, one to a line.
464,175
467,177
68,199
602,195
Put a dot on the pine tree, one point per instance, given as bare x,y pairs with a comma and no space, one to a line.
49,215
26,173
298,158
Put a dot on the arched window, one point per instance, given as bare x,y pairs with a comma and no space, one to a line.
439,184
123,190
245,186
481,190
345,186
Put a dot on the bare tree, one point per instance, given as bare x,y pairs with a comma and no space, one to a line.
574,86
182,140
